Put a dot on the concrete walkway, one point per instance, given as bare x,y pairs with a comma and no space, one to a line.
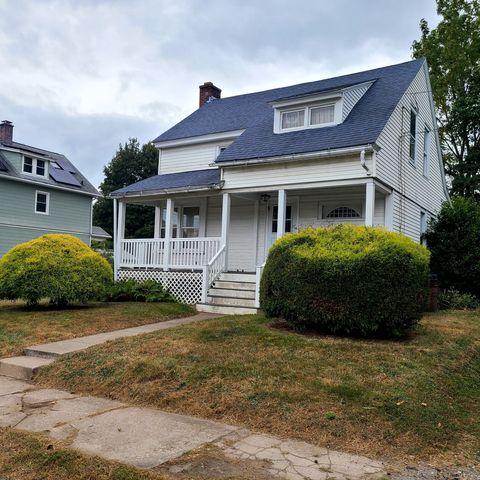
151,438
23,367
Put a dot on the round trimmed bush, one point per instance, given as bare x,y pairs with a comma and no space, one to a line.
60,268
346,280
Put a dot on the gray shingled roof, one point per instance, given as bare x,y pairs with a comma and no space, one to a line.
209,178
68,176
254,113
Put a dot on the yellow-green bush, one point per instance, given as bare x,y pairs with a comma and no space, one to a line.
60,268
347,280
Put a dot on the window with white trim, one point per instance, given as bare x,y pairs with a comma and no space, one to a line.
413,136
426,151
293,119
322,114
343,212
34,166
42,202
190,222
308,116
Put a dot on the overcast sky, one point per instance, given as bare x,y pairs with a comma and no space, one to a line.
81,76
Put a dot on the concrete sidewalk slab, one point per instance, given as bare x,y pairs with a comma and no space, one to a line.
64,347
148,438
142,437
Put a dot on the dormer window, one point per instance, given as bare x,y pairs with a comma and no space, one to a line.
323,114
34,166
317,109
308,117
294,119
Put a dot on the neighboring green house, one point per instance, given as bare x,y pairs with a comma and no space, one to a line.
40,192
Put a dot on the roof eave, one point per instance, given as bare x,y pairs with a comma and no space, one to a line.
50,185
370,147
166,191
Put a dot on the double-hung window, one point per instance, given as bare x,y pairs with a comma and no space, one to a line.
426,151
42,202
190,222
413,136
34,166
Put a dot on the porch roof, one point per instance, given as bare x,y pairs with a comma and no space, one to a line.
192,180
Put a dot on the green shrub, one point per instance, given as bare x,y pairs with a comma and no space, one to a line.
133,291
453,237
346,280
454,300
60,268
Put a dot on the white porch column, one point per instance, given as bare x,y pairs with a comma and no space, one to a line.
115,241
369,204
389,211
168,234
157,228
226,203
282,212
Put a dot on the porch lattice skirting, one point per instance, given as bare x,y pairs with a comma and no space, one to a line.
185,287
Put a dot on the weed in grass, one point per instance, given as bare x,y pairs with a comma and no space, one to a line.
330,415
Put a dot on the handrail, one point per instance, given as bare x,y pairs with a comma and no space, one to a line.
210,273
212,261
258,277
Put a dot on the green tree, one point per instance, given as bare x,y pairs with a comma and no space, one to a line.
453,238
452,50
130,164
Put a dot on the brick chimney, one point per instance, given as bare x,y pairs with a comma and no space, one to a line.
6,132
207,91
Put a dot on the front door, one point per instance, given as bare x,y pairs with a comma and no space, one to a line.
290,221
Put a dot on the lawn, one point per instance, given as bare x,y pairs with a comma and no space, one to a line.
410,400
21,327
26,456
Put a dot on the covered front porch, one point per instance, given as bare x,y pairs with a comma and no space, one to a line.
198,235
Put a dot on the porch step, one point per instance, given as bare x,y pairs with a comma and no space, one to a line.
245,286
23,367
237,277
232,292
226,309
230,301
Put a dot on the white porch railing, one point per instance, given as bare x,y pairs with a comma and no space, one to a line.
193,252
141,253
212,270
184,253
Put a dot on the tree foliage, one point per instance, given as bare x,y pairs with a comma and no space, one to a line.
130,164
453,237
452,50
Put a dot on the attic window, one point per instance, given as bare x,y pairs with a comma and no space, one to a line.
315,115
294,119
323,114
34,166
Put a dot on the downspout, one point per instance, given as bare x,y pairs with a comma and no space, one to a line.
363,164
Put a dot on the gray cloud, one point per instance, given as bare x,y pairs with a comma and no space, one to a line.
81,77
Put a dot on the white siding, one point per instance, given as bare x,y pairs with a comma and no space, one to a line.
393,165
191,157
295,172
351,97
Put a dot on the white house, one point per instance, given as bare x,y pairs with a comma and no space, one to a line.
241,171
